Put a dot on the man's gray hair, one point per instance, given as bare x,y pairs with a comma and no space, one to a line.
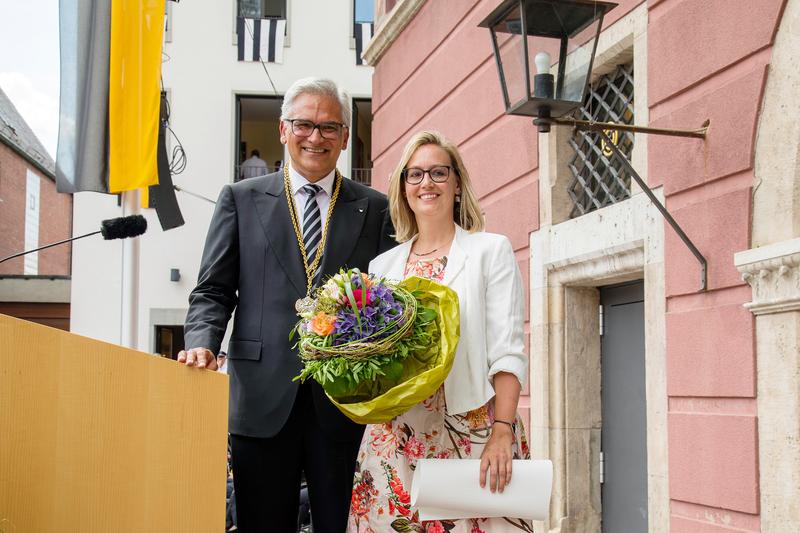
320,87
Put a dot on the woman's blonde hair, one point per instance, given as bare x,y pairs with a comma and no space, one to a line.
467,213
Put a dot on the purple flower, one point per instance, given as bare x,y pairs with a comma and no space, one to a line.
382,309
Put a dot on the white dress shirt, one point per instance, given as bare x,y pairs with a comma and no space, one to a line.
253,167
300,198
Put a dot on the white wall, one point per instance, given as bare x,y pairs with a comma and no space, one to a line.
203,76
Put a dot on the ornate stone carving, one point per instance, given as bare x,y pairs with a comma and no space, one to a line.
773,272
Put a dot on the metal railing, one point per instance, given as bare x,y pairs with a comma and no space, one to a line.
252,172
361,175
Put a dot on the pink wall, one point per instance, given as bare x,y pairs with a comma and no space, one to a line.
707,59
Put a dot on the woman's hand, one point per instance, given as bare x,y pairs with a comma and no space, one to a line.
496,457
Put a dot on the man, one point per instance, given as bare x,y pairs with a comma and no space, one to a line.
253,167
252,263
222,362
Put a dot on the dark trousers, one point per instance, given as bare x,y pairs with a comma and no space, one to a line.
230,506
266,474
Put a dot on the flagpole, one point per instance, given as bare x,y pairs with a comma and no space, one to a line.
129,316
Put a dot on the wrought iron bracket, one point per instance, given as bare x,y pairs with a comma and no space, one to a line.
586,125
600,128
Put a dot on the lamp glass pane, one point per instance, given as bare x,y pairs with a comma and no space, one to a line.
508,32
577,67
543,53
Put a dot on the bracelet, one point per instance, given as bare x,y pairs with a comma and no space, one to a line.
509,424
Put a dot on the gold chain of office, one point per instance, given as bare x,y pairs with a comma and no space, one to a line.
312,268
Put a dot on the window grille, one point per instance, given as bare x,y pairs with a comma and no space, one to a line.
595,183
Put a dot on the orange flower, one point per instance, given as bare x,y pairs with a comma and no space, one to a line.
365,279
322,324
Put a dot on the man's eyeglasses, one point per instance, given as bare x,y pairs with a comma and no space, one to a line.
414,176
305,128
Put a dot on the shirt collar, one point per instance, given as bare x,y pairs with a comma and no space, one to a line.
297,180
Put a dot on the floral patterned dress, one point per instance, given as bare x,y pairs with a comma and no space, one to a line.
381,500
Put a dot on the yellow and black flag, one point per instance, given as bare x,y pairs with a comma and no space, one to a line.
110,95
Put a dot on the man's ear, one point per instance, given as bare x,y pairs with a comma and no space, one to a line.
283,131
345,137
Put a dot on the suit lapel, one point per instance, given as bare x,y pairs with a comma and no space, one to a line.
346,223
456,258
397,264
273,213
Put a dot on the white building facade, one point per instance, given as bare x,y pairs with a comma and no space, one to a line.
221,109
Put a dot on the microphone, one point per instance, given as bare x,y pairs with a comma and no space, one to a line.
123,227
112,228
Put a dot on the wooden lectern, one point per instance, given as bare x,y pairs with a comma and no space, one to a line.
95,437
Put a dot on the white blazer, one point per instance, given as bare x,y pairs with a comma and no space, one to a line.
482,270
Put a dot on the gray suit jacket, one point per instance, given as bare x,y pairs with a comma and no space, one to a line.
252,264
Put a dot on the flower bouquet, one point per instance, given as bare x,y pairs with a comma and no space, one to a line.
377,347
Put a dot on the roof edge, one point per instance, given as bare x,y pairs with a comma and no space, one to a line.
25,155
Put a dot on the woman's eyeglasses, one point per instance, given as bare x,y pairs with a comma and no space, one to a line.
414,176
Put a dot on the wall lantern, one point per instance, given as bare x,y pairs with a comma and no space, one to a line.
544,51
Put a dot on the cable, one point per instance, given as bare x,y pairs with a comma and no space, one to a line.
177,163
177,159
209,200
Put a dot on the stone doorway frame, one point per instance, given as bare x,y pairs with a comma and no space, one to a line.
570,259
616,244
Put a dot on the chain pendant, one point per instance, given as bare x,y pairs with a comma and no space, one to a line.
304,305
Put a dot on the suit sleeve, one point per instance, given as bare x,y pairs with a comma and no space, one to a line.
505,314
213,300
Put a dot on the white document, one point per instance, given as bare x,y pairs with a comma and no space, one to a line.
445,489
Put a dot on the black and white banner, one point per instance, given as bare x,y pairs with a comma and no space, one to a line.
260,39
363,34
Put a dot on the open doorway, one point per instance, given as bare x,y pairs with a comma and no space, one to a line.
259,145
361,141
169,340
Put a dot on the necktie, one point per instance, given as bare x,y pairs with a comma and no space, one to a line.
312,223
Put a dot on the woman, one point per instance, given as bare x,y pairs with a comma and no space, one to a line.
474,414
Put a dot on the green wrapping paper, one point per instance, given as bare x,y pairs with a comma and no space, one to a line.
423,372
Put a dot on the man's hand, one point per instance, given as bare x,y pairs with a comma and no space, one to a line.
496,458
199,357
